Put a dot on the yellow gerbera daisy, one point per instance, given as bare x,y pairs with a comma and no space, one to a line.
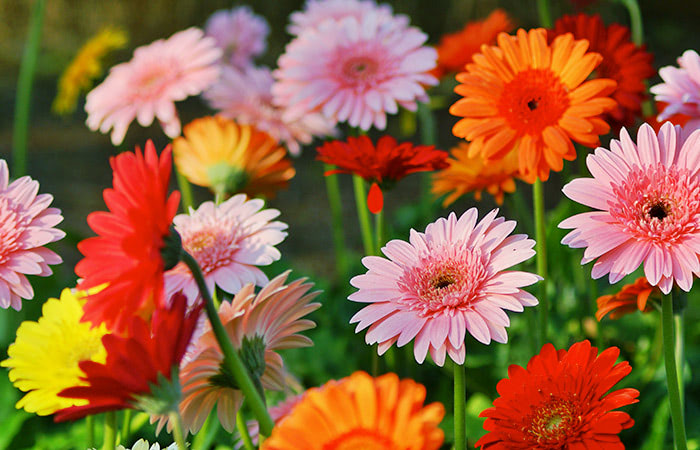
85,67
44,358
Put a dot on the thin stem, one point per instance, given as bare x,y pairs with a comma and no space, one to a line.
24,90
460,394
674,396
110,433
679,352
185,191
335,202
126,425
379,231
636,26
243,431
544,13
231,358
90,425
363,213
176,420
541,248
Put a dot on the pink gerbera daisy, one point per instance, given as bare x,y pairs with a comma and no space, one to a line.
246,97
228,241
26,225
240,33
317,11
681,89
355,70
648,201
443,283
146,87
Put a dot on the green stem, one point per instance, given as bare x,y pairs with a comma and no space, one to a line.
243,431
679,352
363,214
335,202
428,136
541,248
110,433
544,13
379,231
90,425
636,26
24,90
126,425
231,358
179,437
460,394
185,191
674,396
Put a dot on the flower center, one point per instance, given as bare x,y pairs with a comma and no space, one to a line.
360,69
13,222
658,211
151,81
533,100
360,439
555,422
443,280
212,245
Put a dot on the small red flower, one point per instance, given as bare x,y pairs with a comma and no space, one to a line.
632,297
382,165
559,401
126,251
135,363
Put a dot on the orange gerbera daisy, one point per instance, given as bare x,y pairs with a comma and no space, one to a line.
632,297
472,174
526,94
361,412
229,158
623,61
456,49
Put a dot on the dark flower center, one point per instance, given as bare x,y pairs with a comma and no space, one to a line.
658,211
443,280
532,104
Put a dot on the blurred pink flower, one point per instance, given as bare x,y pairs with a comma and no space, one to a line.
26,225
245,96
647,198
146,87
443,283
355,70
681,89
240,33
228,241
317,11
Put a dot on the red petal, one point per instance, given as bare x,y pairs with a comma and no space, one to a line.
375,199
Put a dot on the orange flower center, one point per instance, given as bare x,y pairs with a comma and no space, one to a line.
360,439
533,100
555,422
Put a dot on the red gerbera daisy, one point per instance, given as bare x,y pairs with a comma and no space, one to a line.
139,367
559,401
126,251
382,165
623,61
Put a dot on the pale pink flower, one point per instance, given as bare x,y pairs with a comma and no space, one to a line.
647,198
317,11
245,96
681,89
147,87
258,326
240,33
443,283
354,70
26,226
229,241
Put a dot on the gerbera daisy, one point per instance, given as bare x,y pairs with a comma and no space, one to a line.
472,174
534,97
632,297
44,358
85,67
258,326
382,165
354,70
456,49
26,226
229,241
647,198
217,153
443,283
676,119
147,87
246,96
561,400
126,251
240,33
137,365
628,64
361,412
681,88
317,11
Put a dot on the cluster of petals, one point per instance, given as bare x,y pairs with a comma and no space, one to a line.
361,412
316,12
26,226
444,283
561,400
355,70
681,88
239,33
245,95
147,87
647,202
532,96
632,297
229,241
142,444
126,253
258,325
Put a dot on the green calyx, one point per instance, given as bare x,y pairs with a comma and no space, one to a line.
226,179
252,353
163,397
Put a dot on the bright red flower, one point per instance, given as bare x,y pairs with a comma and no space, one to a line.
126,251
632,297
135,363
382,165
559,402
628,64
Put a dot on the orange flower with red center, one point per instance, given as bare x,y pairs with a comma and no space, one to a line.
632,297
534,97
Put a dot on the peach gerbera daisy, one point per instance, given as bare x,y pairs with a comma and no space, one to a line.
532,96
